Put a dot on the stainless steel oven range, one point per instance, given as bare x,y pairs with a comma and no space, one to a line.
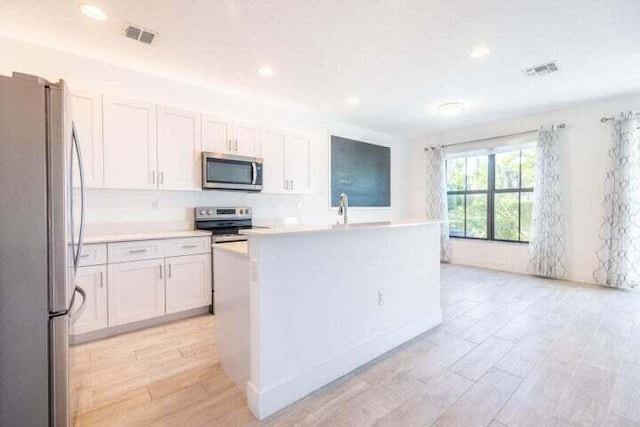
224,223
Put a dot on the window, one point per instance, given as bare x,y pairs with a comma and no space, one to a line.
491,196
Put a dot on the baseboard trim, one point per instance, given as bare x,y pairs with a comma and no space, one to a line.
130,327
264,403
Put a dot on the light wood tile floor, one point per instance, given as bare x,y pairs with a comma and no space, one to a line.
512,351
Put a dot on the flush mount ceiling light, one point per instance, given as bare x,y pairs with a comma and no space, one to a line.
93,11
451,108
352,100
480,51
265,71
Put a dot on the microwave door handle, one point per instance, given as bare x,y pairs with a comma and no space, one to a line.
255,173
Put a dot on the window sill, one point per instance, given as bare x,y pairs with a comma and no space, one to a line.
476,239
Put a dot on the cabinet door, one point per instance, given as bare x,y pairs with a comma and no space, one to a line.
272,147
85,110
179,147
130,144
94,316
297,151
188,282
217,135
136,291
246,139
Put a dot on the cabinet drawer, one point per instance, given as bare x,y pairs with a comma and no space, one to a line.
187,246
135,251
95,254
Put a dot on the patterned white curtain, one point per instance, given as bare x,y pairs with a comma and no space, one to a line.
437,195
547,247
619,256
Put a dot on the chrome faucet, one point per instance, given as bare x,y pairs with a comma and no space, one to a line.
343,206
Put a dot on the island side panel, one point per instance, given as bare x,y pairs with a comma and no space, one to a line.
324,304
232,307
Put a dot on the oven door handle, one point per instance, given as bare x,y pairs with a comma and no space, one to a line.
255,173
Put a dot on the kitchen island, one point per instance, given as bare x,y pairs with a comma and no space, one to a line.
302,306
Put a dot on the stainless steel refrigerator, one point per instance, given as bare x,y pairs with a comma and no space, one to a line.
41,231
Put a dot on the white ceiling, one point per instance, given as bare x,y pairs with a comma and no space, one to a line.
400,58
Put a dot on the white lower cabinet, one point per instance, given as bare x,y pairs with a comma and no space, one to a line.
93,280
130,281
188,282
136,291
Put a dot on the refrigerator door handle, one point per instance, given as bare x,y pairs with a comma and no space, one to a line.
83,198
74,316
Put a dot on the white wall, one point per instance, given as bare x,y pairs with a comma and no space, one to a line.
584,162
111,210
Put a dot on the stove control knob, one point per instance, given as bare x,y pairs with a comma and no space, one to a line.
209,212
202,211
242,211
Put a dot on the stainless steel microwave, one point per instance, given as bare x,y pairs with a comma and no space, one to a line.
230,172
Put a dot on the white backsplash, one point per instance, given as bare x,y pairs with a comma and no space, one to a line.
139,211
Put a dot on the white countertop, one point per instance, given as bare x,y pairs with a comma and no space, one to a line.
128,237
234,247
333,228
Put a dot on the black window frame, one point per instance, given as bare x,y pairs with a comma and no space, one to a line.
491,191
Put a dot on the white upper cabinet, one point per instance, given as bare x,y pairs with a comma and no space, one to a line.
297,151
246,139
217,134
179,147
85,110
231,137
286,162
130,144
273,154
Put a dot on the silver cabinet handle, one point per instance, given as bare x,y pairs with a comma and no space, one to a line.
169,270
137,251
229,145
161,271
161,178
236,146
101,279
189,246
292,184
153,177
84,255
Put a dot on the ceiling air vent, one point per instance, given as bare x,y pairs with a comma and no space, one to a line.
139,34
541,70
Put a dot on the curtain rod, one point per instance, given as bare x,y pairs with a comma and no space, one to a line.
608,119
560,126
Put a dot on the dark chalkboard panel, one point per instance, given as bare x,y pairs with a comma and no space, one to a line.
362,171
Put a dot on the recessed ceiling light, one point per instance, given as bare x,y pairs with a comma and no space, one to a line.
265,71
451,108
352,100
480,51
93,11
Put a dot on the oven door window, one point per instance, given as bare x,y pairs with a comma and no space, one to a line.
229,172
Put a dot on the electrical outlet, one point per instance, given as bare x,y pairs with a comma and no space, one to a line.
380,298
